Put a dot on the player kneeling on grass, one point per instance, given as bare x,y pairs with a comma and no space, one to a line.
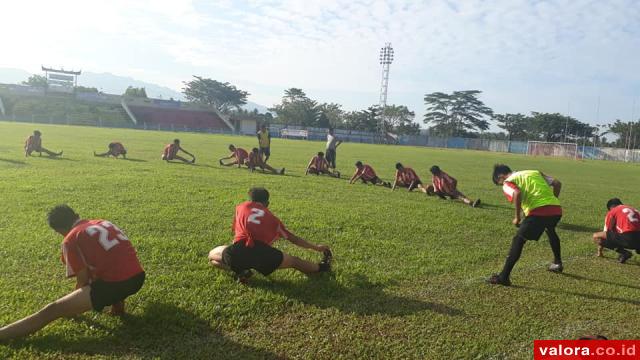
115,149
171,153
537,196
104,263
444,185
34,143
238,155
255,160
406,177
319,165
621,230
256,228
367,175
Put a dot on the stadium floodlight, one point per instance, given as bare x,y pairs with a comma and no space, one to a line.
386,58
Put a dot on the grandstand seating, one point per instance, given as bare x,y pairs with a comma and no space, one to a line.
168,118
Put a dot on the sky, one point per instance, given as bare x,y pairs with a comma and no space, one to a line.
576,57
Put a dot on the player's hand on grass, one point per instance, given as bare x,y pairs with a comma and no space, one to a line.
516,221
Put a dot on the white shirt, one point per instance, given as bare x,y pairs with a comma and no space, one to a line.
331,142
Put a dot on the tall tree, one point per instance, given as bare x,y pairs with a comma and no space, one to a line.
399,119
628,133
136,92
460,113
516,125
297,109
558,128
364,120
222,96
36,80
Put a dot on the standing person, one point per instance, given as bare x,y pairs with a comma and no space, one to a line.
536,195
366,174
444,185
264,142
103,261
170,152
255,229
406,177
332,145
34,143
621,230
115,149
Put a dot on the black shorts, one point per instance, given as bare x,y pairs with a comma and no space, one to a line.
532,227
629,240
266,151
260,257
374,180
331,157
105,293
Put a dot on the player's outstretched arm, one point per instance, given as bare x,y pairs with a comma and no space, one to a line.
188,153
298,241
355,177
395,181
308,166
517,202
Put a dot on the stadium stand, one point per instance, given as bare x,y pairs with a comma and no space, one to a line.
168,118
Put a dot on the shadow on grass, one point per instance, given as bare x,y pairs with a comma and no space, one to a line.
493,206
584,278
578,228
583,295
12,161
163,331
134,160
362,298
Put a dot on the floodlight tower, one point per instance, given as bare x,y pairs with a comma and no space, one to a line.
386,58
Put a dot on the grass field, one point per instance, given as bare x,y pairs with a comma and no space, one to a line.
408,279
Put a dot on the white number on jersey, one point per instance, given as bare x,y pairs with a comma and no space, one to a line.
103,234
631,215
255,216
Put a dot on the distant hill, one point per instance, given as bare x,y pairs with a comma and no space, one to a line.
112,84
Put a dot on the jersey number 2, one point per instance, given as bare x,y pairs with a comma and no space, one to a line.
255,216
103,234
631,215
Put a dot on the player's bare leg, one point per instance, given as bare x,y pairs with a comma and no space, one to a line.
307,267
101,155
234,162
49,152
598,238
268,167
70,305
182,159
215,258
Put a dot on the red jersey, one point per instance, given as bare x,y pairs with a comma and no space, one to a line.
118,149
171,150
33,143
102,249
366,172
255,159
254,222
319,163
407,176
622,219
240,155
444,183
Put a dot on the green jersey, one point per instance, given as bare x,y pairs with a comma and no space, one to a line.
535,189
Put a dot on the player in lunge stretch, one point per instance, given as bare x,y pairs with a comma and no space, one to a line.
367,175
256,228
34,144
406,177
318,165
621,230
171,153
103,261
255,160
115,149
535,195
238,155
443,185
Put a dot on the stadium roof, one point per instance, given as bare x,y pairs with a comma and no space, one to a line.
61,71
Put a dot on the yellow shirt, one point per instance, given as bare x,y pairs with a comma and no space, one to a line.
264,139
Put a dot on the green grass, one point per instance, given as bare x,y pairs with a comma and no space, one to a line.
408,279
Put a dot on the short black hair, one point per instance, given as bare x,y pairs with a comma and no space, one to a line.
358,163
176,141
435,170
399,166
613,203
62,217
320,153
255,150
500,169
37,132
259,194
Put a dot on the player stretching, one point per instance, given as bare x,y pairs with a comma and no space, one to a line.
115,149
319,165
256,228
406,177
171,153
264,141
367,175
104,263
444,185
255,160
536,195
34,143
238,155
621,230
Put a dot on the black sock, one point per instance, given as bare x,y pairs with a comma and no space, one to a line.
517,244
324,266
554,241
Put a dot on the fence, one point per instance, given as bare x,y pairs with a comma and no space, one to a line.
320,134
